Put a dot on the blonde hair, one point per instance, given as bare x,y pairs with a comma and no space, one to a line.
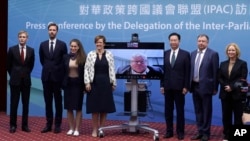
21,32
236,48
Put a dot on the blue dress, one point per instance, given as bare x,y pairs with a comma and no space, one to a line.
100,98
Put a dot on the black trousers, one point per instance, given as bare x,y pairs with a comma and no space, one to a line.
177,99
15,92
232,111
52,90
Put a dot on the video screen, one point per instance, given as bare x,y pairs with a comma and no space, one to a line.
143,60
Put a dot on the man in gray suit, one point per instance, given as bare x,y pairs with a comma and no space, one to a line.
204,84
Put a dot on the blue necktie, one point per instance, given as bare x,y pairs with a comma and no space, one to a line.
196,66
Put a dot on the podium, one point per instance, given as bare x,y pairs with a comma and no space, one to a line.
133,124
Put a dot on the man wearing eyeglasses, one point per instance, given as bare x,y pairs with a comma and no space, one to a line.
139,66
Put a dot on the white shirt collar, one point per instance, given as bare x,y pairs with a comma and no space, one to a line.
20,47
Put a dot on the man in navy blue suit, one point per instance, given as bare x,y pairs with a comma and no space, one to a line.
175,84
20,64
204,84
51,57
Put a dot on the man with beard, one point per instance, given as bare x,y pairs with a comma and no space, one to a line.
51,54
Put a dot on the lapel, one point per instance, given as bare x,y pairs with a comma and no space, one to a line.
167,58
224,69
67,60
17,53
193,55
57,43
177,57
235,68
28,53
205,57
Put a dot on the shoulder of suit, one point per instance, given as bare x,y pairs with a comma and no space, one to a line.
60,41
224,62
29,47
66,55
239,60
209,49
182,50
15,46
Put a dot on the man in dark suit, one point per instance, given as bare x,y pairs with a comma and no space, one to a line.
20,65
139,66
204,84
175,84
51,57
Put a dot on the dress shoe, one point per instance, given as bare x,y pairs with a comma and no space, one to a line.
12,129
57,130
168,135
180,137
46,129
26,129
204,138
196,137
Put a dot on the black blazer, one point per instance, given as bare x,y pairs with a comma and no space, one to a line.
16,69
177,77
66,60
52,66
239,71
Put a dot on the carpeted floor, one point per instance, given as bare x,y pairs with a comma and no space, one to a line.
37,123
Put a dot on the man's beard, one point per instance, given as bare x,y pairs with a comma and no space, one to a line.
52,36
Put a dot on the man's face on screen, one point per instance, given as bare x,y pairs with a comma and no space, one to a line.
138,64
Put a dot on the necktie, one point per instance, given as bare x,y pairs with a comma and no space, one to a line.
173,59
22,54
196,66
51,48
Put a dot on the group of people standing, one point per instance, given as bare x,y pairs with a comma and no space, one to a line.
74,72
201,74
94,73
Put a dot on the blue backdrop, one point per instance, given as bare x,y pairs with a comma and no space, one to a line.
224,22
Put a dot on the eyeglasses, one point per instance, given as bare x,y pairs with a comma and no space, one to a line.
137,62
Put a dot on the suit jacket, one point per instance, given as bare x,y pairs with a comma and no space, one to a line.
52,65
66,60
239,71
177,77
18,70
208,71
